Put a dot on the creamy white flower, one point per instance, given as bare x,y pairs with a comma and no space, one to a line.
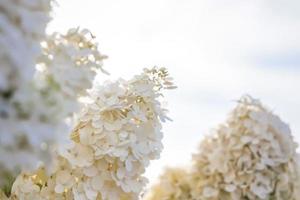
22,25
115,137
252,153
25,188
250,156
35,114
42,78
173,184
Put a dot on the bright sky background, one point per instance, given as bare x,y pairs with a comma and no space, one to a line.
217,50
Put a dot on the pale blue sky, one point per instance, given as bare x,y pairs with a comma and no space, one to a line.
216,51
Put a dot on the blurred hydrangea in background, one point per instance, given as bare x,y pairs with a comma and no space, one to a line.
42,79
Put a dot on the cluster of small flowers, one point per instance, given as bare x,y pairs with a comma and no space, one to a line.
34,103
22,25
65,70
115,137
174,184
251,156
22,28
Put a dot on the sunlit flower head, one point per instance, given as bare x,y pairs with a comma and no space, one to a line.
250,156
115,137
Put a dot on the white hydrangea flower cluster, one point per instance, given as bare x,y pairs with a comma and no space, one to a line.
37,111
65,70
31,111
22,27
252,156
116,135
174,184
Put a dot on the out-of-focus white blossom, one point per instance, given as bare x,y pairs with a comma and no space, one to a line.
32,110
174,184
36,112
29,189
65,70
115,137
250,156
41,78
71,61
22,27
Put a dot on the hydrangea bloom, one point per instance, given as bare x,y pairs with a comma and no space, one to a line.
65,70
250,156
32,113
22,28
38,110
115,137
22,25
174,184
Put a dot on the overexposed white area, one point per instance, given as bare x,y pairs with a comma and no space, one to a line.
216,51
